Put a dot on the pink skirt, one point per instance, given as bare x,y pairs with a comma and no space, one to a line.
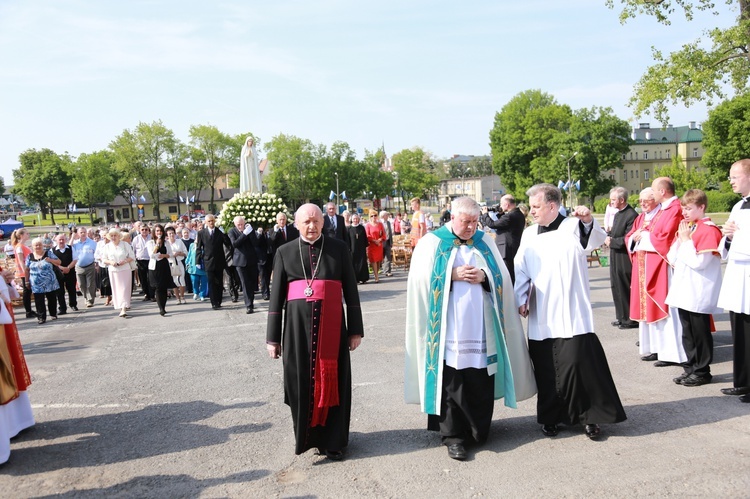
122,287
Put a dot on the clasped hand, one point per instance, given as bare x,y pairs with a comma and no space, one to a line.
467,273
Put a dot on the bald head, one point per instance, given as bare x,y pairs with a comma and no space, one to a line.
309,222
663,188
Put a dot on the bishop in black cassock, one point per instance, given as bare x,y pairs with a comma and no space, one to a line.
308,328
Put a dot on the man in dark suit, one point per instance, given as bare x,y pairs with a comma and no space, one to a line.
333,224
509,228
620,266
244,242
281,234
210,244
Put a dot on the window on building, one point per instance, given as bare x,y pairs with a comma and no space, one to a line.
624,156
172,209
637,174
695,152
646,174
668,154
631,155
624,175
197,207
126,213
636,156
659,154
631,174
155,212
645,154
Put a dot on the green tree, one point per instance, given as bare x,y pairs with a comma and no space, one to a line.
600,139
522,152
143,155
93,179
481,166
43,179
683,178
416,172
219,151
696,72
726,133
292,160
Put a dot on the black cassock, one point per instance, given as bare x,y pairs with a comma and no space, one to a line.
299,329
358,246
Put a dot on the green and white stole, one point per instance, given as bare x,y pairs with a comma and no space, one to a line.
495,342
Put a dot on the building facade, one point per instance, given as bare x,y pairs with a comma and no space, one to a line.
655,148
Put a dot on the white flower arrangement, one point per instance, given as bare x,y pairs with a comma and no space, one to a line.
260,210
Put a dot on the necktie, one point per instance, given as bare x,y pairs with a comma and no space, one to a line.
333,222
283,231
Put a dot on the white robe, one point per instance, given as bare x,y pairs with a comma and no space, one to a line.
552,277
735,290
249,170
417,311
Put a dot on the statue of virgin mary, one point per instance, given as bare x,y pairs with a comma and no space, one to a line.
249,170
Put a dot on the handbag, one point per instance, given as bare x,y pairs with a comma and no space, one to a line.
152,264
174,268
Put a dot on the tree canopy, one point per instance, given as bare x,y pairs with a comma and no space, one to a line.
699,71
43,179
416,172
93,179
535,138
726,133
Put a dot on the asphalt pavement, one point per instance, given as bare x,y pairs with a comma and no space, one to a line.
190,405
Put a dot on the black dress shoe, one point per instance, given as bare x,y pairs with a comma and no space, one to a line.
334,455
737,390
249,310
75,309
62,312
550,430
266,297
650,358
31,315
616,323
235,299
628,325
697,380
678,379
745,398
216,307
593,431
41,320
457,451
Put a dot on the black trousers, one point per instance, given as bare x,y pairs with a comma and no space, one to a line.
51,304
26,295
143,277
620,274
511,270
233,282
741,339
468,400
264,273
249,278
697,341
215,280
68,284
161,299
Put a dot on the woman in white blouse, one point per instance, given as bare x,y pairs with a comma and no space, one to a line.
119,258
179,251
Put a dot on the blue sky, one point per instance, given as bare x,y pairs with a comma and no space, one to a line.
75,74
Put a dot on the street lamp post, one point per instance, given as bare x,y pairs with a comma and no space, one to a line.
338,201
187,203
570,181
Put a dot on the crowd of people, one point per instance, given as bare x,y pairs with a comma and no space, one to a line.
471,283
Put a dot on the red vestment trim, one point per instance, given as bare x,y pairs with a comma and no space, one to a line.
326,390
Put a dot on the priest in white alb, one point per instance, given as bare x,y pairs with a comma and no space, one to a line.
465,346
552,290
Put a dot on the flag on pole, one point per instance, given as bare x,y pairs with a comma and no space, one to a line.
181,200
578,185
132,199
343,195
560,184
331,196
192,199
142,198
